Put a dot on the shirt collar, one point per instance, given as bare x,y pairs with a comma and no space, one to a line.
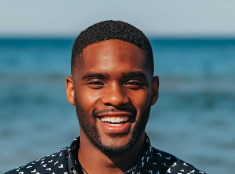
141,166
146,160
73,163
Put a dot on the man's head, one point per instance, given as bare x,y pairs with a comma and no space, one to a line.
112,85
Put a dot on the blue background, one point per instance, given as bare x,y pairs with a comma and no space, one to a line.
193,118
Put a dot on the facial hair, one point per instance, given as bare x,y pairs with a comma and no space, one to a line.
88,125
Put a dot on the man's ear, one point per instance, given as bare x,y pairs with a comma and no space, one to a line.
70,90
155,89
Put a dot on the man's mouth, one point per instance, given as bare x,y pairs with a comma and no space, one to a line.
114,121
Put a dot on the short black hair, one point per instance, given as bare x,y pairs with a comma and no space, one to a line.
107,30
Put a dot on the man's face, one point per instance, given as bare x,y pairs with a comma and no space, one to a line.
113,91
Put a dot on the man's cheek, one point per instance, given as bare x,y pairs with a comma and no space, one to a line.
88,98
141,101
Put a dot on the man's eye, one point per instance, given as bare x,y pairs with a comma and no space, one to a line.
95,84
134,84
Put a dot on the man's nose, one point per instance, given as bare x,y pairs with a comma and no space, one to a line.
115,95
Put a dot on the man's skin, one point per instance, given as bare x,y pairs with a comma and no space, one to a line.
114,78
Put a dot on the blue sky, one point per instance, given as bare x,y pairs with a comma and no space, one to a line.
60,18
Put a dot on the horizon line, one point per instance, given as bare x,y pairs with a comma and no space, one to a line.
149,37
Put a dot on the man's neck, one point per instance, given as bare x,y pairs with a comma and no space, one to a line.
94,161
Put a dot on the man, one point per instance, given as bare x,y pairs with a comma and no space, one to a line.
112,87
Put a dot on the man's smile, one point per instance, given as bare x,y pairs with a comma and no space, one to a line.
115,122
116,118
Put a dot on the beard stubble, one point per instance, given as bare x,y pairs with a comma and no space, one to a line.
88,125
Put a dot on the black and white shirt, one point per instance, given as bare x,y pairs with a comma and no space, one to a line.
66,161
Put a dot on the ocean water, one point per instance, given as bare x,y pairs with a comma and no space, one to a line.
193,118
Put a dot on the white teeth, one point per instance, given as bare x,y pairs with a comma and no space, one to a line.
125,118
118,120
113,124
114,120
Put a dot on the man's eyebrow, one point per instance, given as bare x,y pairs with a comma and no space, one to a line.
90,74
134,74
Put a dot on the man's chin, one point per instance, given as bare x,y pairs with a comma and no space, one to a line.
115,149
116,144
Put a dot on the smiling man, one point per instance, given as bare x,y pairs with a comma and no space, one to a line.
112,87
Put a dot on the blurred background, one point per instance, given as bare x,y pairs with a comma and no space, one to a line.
194,52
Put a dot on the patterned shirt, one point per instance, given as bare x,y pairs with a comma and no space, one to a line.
153,161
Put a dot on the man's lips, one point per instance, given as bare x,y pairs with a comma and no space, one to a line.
115,118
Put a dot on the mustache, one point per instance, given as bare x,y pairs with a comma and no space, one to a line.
95,113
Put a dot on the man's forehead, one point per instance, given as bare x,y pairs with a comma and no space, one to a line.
112,51
113,57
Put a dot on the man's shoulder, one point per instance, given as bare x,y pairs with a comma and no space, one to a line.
183,167
48,164
172,164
